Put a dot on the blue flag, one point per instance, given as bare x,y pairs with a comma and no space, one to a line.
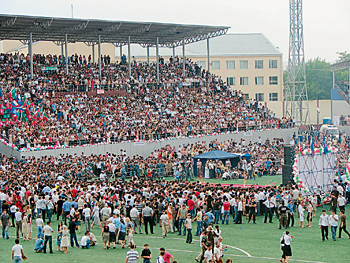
312,147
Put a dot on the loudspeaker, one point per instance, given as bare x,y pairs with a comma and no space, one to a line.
286,174
288,155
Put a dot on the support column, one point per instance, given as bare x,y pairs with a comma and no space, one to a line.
148,55
99,56
157,59
93,53
183,59
208,56
332,97
121,52
31,55
62,50
174,52
129,57
66,55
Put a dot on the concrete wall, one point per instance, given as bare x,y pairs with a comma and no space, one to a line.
8,151
340,107
145,148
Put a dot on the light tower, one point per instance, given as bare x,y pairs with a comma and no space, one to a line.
295,93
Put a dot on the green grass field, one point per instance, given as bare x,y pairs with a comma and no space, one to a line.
247,243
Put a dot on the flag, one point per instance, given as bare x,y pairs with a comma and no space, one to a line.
312,147
324,145
12,93
45,117
301,150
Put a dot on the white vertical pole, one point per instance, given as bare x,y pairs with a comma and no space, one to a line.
148,55
129,57
99,56
31,54
208,55
157,58
66,45
174,52
93,53
121,52
183,59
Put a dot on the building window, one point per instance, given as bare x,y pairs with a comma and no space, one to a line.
215,64
273,80
273,63
259,80
273,96
259,64
230,64
231,81
202,64
243,64
259,96
243,81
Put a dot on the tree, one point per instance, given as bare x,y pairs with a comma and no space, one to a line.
319,78
343,56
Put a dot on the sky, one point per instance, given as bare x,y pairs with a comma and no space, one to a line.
326,23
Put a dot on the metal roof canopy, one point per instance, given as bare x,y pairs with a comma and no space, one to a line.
340,65
18,27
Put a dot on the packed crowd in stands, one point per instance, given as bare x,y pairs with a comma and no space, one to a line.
35,114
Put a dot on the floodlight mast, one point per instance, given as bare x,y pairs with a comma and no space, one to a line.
297,105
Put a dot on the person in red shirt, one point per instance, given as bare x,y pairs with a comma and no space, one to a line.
74,192
168,258
226,215
190,205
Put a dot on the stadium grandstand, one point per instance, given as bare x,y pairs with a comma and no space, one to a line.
57,101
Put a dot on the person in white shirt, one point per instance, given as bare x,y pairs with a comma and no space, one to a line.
217,253
324,224
301,214
40,225
341,202
85,240
164,221
17,252
18,219
333,222
48,237
269,205
287,251
208,255
87,216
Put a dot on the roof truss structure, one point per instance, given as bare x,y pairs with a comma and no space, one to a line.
340,65
17,27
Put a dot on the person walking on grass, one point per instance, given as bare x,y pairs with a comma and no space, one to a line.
17,252
286,247
310,210
5,222
48,236
333,222
343,224
167,257
64,240
132,255
188,226
146,254
324,224
164,222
